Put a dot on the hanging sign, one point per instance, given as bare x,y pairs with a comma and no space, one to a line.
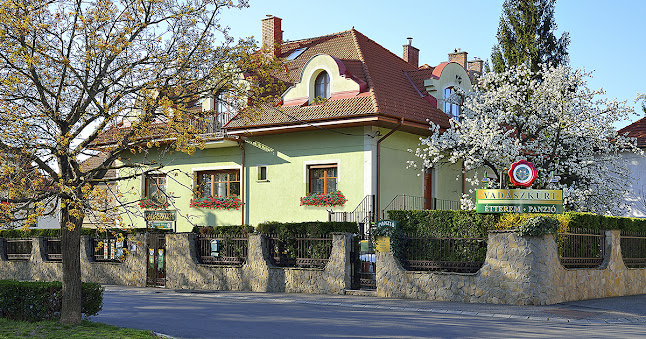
522,173
519,201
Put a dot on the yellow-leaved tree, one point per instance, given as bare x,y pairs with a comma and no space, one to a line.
73,70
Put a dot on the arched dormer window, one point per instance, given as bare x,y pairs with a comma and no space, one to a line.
322,86
452,103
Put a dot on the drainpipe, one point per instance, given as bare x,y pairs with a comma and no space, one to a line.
378,198
242,179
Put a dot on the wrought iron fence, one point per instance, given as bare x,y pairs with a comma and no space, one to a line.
633,249
223,249
53,250
18,248
108,250
300,250
440,253
582,248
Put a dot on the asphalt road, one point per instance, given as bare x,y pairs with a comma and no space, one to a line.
219,314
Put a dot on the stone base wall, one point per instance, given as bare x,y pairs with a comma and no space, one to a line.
37,268
517,270
183,270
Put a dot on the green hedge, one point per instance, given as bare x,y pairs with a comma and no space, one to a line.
222,230
439,223
309,228
470,223
35,301
55,232
602,222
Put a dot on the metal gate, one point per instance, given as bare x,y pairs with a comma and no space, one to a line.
156,268
364,274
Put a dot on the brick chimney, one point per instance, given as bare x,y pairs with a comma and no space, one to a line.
411,54
272,35
459,56
475,65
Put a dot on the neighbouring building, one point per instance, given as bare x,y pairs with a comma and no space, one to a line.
351,113
636,198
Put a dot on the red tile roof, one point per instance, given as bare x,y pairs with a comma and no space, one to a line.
395,88
636,130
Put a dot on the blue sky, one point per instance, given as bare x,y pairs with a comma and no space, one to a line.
608,37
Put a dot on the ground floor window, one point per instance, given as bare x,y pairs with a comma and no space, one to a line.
323,178
220,183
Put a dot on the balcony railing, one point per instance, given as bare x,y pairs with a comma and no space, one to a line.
212,126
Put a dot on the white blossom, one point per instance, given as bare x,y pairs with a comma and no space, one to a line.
550,118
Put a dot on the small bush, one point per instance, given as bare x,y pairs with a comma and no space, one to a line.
538,226
35,301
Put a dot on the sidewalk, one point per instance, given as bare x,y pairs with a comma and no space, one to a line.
628,309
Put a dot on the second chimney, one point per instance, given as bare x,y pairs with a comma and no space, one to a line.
475,65
272,35
460,57
411,54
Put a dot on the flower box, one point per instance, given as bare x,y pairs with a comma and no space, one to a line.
319,199
226,203
147,203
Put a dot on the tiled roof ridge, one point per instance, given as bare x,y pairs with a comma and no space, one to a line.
365,68
636,130
307,40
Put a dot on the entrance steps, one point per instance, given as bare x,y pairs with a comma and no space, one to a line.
364,293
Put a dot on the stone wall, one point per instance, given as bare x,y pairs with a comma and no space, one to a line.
38,268
517,270
183,270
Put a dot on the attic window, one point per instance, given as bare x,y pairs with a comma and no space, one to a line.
322,86
296,53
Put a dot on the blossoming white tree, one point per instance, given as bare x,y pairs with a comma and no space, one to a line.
550,118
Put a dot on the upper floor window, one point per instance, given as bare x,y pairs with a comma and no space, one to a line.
222,183
323,178
452,103
155,187
322,86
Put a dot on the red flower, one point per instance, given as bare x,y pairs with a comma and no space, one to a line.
318,199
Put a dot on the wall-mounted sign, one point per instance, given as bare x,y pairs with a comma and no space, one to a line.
519,201
160,215
163,220
522,173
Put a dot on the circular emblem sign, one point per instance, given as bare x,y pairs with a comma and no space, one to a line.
522,173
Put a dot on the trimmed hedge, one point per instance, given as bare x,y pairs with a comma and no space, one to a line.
309,228
459,223
35,301
55,232
208,231
469,223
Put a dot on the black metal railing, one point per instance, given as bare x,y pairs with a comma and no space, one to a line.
212,126
53,251
108,250
633,249
18,249
223,249
581,248
300,251
403,202
364,213
440,253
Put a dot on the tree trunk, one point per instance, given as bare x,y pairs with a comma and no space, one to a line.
70,247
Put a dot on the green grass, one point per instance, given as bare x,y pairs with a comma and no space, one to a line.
52,329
